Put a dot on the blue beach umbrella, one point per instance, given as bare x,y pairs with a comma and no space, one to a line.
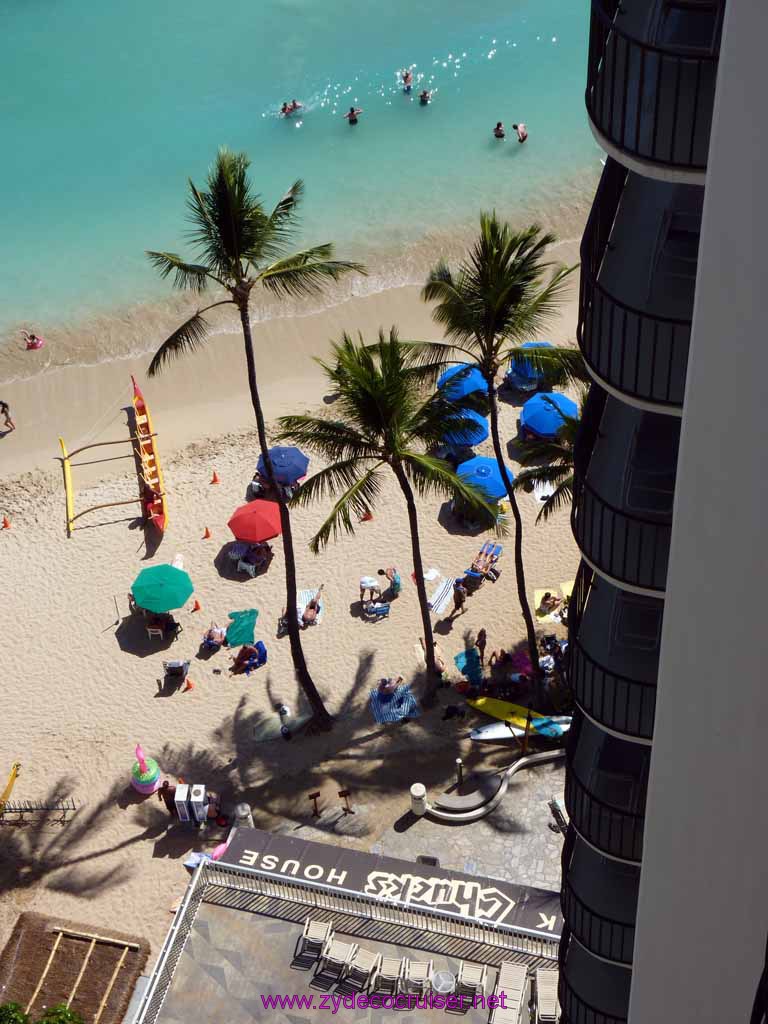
523,373
483,473
473,433
543,415
289,464
471,380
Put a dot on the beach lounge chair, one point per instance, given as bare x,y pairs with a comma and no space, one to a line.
390,975
315,935
374,611
489,554
176,669
417,975
363,969
547,1005
336,957
513,983
471,980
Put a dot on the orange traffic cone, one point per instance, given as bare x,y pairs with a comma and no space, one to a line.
366,517
196,606
215,478
6,523
207,534
188,685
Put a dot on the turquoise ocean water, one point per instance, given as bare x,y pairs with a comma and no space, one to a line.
106,108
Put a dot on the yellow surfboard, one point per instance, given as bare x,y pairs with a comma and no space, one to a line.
504,710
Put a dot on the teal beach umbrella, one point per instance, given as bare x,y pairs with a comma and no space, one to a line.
161,588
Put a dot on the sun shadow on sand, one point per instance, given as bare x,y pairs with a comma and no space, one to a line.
132,637
457,527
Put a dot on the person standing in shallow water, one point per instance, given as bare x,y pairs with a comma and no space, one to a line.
352,114
5,411
498,131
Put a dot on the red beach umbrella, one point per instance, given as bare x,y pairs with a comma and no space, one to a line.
257,521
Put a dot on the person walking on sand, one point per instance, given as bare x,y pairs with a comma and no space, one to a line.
459,598
5,410
482,640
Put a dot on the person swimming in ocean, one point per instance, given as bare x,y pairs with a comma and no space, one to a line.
407,76
294,105
498,131
424,97
285,110
522,132
351,114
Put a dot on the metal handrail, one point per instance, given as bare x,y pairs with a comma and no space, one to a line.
644,572
660,342
676,131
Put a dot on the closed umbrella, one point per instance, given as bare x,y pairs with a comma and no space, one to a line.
524,374
161,588
483,473
544,414
289,464
469,380
256,522
474,431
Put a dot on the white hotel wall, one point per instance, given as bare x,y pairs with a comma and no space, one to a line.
703,910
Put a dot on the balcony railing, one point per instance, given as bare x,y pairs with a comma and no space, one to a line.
619,702
654,102
643,355
574,1009
626,547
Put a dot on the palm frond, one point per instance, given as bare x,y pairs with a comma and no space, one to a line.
331,439
430,475
306,272
560,365
281,225
536,311
357,501
537,476
331,481
186,276
186,338
562,497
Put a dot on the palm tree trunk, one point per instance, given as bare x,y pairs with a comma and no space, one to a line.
321,715
421,590
522,596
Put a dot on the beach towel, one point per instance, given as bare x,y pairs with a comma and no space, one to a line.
468,663
302,600
544,616
542,491
394,707
241,629
442,595
429,575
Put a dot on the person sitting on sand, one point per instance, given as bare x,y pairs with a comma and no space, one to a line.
498,131
244,657
522,132
352,114
214,636
389,685
5,410
32,341
549,603
424,97
310,613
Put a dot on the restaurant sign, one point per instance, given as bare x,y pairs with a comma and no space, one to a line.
385,878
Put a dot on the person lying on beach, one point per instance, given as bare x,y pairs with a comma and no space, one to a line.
550,603
371,584
440,666
424,97
310,613
484,562
522,132
498,131
214,635
352,114
5,410
244,657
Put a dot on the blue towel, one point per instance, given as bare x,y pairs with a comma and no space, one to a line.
468,663
394,707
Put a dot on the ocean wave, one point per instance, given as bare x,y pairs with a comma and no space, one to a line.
132,332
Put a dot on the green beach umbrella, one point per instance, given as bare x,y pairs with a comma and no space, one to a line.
161,588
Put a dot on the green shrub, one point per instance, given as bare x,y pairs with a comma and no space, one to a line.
12,1013
60,1015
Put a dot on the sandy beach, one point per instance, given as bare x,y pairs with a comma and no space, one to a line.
82,681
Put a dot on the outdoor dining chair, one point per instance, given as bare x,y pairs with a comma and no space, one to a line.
363,969
315,936
471,980
417,975
337,957
389,976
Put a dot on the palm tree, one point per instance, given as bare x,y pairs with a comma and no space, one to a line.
239,245
551,460
387,420
496,300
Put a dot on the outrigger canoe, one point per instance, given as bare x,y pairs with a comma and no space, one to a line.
516,716
152,487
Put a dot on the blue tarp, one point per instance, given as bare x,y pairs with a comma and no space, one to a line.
543,414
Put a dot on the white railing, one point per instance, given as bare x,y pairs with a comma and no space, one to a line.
231,880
